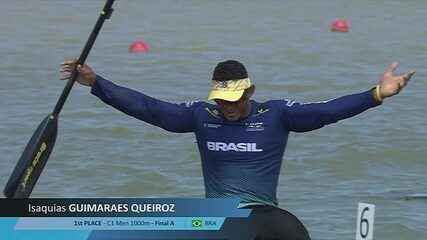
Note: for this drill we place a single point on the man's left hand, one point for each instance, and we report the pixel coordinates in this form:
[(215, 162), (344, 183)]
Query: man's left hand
[(391, 85)]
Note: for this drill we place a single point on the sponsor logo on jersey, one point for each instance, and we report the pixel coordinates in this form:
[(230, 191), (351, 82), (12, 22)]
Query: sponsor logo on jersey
[(188, 104), (212, 125), (254, 127), (213, 112), (289, 102), (261, 111), (236, 147)]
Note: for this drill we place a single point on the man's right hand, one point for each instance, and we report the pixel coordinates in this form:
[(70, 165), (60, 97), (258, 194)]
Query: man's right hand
[(86, 75)]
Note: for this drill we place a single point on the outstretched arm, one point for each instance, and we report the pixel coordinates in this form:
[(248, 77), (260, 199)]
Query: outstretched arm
[(310, 116), (169, 116), (307, 117)]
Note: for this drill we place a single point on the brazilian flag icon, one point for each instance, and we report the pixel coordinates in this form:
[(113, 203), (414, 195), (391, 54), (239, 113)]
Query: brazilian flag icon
[(196, 223)]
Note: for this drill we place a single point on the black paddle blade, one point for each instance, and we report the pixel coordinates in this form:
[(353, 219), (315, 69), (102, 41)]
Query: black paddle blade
[(33, 159)]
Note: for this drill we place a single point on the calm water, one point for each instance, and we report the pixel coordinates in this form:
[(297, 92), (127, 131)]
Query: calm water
[(377, 157)]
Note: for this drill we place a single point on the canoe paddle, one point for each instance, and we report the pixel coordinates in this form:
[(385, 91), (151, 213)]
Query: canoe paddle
[(38, 149)]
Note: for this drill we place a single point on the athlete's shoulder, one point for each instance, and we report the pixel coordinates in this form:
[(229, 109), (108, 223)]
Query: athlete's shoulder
[(199, 107), (279, 104), (194, 104), (198, 104), (208, 110)]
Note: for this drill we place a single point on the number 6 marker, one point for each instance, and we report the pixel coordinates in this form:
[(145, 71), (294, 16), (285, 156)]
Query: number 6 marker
[(365, 221)]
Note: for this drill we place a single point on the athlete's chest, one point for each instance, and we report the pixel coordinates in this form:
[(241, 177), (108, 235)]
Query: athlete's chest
[(260, 131)]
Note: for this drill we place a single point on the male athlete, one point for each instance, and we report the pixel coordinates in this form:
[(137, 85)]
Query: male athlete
[(241, 141)]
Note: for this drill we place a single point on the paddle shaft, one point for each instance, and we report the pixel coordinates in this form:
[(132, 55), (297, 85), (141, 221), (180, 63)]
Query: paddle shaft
[(105, 14), (32, 161)]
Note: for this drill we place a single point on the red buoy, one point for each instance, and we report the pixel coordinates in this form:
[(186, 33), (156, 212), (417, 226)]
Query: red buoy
[(138, 47), (340, 26)]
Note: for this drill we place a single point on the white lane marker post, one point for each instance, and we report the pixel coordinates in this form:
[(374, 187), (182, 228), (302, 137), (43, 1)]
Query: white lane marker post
[(365, 221)]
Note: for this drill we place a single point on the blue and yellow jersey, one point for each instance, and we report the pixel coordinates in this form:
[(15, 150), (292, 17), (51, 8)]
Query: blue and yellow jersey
[(240, 159)]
